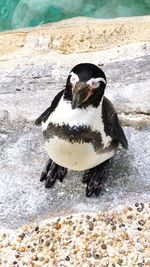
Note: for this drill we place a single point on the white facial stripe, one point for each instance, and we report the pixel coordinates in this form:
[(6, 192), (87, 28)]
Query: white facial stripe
[(74, 78), (94, 82)]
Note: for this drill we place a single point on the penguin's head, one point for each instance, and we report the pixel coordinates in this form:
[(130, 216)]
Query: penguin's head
[(86, 84)]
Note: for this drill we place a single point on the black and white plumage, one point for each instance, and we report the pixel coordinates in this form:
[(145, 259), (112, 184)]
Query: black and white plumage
[(81, 128)]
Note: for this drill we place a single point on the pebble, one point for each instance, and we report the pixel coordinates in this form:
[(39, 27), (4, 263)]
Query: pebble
[(96, 256), (103, 246), (57, 226), (113, 238), (36, 228), (67, 258), (22, 235), (46, 260), (141, 222), (21, 249), (47, 243), (41, 258)]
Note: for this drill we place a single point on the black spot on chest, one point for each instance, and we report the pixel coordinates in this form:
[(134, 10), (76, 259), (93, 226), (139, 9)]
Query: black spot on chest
[(78, 134)]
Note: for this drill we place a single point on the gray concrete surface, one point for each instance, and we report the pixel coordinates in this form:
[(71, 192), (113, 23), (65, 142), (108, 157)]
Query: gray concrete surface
[(25, 91)]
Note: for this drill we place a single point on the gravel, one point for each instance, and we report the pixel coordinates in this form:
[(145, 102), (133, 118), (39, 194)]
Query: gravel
[(114, 238)]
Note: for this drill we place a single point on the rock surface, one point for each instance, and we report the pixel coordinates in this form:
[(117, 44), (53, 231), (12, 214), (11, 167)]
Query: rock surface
[(28, 84)]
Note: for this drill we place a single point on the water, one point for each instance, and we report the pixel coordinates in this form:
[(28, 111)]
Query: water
[(26, 13)]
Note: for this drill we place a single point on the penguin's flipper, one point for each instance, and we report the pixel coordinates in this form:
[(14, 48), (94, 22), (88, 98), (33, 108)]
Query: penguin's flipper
[(43, 116), (113, 127), (48, 111), (116, 131)]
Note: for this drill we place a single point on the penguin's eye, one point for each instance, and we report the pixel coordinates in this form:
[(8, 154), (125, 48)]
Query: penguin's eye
[(95, 82)]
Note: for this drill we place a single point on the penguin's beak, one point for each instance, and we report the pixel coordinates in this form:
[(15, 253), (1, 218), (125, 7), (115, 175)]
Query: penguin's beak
[(79, 94), (75, 101)]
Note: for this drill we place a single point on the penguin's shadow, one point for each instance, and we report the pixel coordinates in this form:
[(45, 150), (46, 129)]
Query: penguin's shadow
[(119, 176), (121, 173)]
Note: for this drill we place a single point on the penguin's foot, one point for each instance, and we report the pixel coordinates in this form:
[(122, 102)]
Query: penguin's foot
[(94, 178), (51, 173)]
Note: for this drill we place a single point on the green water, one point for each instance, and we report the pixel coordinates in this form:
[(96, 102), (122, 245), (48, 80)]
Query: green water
[(26, 13)]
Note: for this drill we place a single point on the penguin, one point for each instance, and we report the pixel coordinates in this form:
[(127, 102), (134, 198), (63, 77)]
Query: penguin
[(81, 129)]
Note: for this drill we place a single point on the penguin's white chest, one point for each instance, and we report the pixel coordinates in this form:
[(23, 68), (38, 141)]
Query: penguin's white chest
[(76, 155)]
